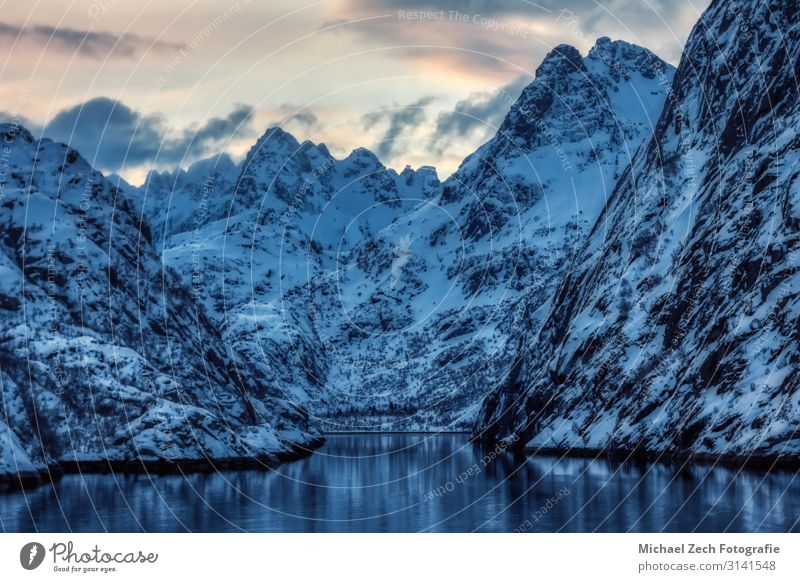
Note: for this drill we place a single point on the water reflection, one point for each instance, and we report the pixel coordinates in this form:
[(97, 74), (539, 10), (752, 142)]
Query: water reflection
[(403, 482)]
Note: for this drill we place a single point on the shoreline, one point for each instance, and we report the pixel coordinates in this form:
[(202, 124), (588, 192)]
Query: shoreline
[(395, 432), (50, 474), (749, 462)]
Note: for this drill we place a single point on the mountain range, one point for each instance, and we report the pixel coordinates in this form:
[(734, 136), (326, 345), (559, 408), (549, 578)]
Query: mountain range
[(675, 331), (614, 270)]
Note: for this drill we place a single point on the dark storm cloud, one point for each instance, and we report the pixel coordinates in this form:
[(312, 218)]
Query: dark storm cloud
[(84, 42), (398, 120), (112, 135), (107, 132), (480, 111)]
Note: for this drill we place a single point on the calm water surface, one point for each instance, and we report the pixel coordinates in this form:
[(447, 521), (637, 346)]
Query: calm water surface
[(410, 483)]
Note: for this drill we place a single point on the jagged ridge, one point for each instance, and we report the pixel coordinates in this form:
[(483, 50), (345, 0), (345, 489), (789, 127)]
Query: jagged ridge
[(677, 332)]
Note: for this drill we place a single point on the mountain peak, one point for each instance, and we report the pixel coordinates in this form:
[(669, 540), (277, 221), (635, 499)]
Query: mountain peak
[(321, 148), (733, 93), (10, 131), (622, 58), (219, 163), (563, 59), (604, 46), (364, 157), (570, 89), (275, 142), (277, 134)]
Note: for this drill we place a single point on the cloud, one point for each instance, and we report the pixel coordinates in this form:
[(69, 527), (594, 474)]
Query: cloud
[(297, 118), (306, 119), (502, 39), (484, 7), (84, 42), (660, 25), (399, 120), (201, 141), (501, 49), (497, 8), (111, 135), (483, 111), (26, 122)]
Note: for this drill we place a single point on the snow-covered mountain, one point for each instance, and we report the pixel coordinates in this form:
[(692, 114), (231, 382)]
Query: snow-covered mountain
[(180, 201), (438, 299), (380, 300), (104, 355), (264, 257), (676, 332), (616, 267)]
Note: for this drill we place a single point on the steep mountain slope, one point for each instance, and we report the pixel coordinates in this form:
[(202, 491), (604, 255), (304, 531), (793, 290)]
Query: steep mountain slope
[(103, 354), (437, 300), (293, 214), (180, 201), (677, 330)]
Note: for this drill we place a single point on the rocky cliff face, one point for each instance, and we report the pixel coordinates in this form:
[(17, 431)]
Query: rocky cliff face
[(104, 354), (386, 301), (268, 268), (440, 297), (617, 268), (181, 201), (676, 329)]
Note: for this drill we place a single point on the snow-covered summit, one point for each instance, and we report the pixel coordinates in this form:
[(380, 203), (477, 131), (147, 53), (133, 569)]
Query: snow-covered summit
[(436, 300), (676, 331), (104, 355)]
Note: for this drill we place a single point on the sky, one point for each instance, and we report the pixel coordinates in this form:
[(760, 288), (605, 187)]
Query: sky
[(160, 84)]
